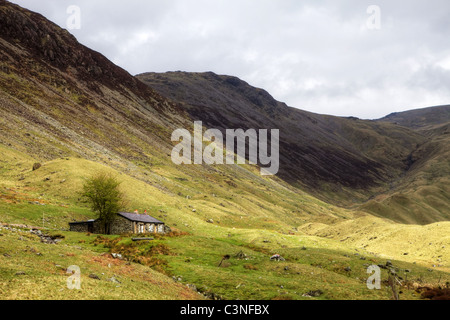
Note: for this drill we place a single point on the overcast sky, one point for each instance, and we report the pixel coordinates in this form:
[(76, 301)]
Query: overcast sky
[(334, 57)]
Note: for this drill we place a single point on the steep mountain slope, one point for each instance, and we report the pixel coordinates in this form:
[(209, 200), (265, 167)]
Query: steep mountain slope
[(77, 114), (422, 194), (61, 100), (343, 160), (420, 118)]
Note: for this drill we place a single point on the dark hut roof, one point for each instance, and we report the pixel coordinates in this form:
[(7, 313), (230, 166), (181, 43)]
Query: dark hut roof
[(140, 217), (82, 222)]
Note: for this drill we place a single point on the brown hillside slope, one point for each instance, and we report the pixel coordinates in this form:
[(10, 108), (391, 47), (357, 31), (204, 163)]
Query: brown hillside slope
[(59, 98), (422, 194), (345, 161)]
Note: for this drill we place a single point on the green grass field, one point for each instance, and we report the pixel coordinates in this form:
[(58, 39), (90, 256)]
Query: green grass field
[(325, 248)]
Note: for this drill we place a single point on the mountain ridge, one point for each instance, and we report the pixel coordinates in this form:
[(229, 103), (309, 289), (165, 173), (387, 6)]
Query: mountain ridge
[(63, 122), (57, 90), (342, 160), (422, 118)]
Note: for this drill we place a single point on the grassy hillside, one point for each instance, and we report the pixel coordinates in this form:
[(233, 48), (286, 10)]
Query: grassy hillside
[(422, 194), (75, 113), (32, 270), (320, 253), (396, 167), (229, 199)]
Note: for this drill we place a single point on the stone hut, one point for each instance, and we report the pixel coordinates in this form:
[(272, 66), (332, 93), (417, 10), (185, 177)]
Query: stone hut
[(124, 222)]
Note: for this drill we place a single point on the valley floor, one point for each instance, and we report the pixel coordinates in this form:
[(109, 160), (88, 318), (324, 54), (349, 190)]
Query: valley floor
[(191, 267), (327, 250)]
